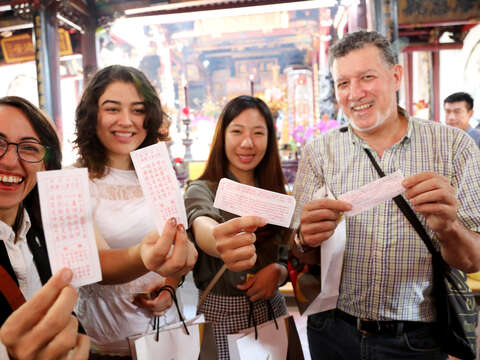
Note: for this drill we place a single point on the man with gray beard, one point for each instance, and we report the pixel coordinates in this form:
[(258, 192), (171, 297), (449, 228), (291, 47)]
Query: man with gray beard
[(385, 308)]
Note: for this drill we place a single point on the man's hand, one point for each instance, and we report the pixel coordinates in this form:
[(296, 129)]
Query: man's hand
[(434, 197), (235, 239), (155, 251), (44, 327), (263, 284), (319, 218)]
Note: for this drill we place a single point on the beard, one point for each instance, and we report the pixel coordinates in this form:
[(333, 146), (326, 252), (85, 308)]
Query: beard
[(381, 119)]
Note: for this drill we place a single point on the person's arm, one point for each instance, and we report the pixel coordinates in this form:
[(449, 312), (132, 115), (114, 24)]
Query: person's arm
[(434, 197), (203, 232), (151, 254), (44, 327)]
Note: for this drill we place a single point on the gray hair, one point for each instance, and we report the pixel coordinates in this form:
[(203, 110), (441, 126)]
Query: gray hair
[(358, 40)]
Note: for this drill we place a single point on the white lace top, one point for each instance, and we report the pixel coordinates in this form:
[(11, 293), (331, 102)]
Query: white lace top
[(123, 217)]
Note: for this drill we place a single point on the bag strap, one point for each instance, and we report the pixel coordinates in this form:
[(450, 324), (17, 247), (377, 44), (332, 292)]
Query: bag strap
[(10, 290), (409, 214), (156, 320)]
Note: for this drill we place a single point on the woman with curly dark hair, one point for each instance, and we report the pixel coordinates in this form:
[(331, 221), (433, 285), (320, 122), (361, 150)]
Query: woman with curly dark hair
[(120, 112)]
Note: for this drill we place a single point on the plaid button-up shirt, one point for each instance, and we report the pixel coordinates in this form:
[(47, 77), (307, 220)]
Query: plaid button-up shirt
[(387, 270)]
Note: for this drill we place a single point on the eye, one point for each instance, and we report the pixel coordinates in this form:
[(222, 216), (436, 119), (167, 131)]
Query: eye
[(112, 109), (30, 147), (140, 111), (235, 131), (259, 133), (342, 84), (368, 77)]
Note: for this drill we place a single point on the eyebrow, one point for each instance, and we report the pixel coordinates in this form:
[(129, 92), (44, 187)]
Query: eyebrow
[(255, 127), (119, 103), (25, 138)]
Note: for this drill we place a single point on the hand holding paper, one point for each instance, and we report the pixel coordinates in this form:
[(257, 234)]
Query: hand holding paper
[(434, 197), (44, 326), (235, 239), (319, 217), (256, 207), (159, 256)]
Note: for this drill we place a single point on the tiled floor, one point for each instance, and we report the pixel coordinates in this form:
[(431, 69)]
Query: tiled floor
[(189, 296)]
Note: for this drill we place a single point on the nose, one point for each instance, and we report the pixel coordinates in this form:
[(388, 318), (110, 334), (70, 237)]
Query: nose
[(10, 158), (247, 142), (124, 118), (450, 116), (356, 91)]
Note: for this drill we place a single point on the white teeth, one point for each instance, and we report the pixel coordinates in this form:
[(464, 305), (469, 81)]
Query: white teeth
[(10, 179), (361, 107), (123, 134)]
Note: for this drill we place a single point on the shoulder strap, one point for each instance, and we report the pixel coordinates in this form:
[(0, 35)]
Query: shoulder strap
[(38, 248), (5, 262), (10, 290), (408, 212)]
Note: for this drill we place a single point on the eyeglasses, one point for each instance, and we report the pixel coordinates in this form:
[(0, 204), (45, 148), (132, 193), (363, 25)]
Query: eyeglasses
[(28, 151)]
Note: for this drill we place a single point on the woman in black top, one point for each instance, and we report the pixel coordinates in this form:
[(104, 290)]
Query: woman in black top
[(43, 327)]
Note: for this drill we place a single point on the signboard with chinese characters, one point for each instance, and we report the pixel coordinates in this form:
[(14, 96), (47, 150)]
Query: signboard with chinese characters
[(420, 11), (19, 48)]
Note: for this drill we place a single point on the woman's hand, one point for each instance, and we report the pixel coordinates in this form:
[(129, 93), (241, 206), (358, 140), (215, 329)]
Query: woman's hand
[(44, 327), (160, 302), (234, 241), (264, 283), (157, 253)]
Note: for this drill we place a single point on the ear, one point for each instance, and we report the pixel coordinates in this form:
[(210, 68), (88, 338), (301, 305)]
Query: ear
[(470, 113), (397, 75)]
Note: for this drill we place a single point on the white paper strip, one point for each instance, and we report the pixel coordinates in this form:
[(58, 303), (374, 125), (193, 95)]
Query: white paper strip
[(67, 223)]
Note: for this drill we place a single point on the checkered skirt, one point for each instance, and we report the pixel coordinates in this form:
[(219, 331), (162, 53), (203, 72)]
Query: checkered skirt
[(229, 314)]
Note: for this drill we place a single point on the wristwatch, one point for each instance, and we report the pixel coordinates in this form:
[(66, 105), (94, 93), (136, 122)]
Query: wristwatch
[(300, 242)]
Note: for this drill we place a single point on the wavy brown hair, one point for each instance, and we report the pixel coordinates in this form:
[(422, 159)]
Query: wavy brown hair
[(48, 137), (92, 153), (268, 172)]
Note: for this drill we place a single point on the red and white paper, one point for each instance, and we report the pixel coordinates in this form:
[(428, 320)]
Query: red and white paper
[(67, 223), (374, 193), (159, 184), (245, 200)]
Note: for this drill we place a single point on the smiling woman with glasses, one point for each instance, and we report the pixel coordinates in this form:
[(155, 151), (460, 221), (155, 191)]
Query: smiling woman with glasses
[(28, 144)]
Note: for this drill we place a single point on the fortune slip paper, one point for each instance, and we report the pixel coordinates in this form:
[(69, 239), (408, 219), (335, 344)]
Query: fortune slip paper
[(68, 224), (374, 193), (246, 200)]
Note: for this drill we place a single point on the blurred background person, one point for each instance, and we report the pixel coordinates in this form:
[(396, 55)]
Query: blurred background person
[(458, 113)]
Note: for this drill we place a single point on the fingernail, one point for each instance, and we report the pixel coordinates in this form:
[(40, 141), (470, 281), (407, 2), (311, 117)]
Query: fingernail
[(67, 275), (172, 221), (181, 228), (405, 183)]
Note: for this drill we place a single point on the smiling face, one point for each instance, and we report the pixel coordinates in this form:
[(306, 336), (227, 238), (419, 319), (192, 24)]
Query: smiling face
[(245, 144), (17, 177), (121, 113), (457, 114), (365, 87)]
